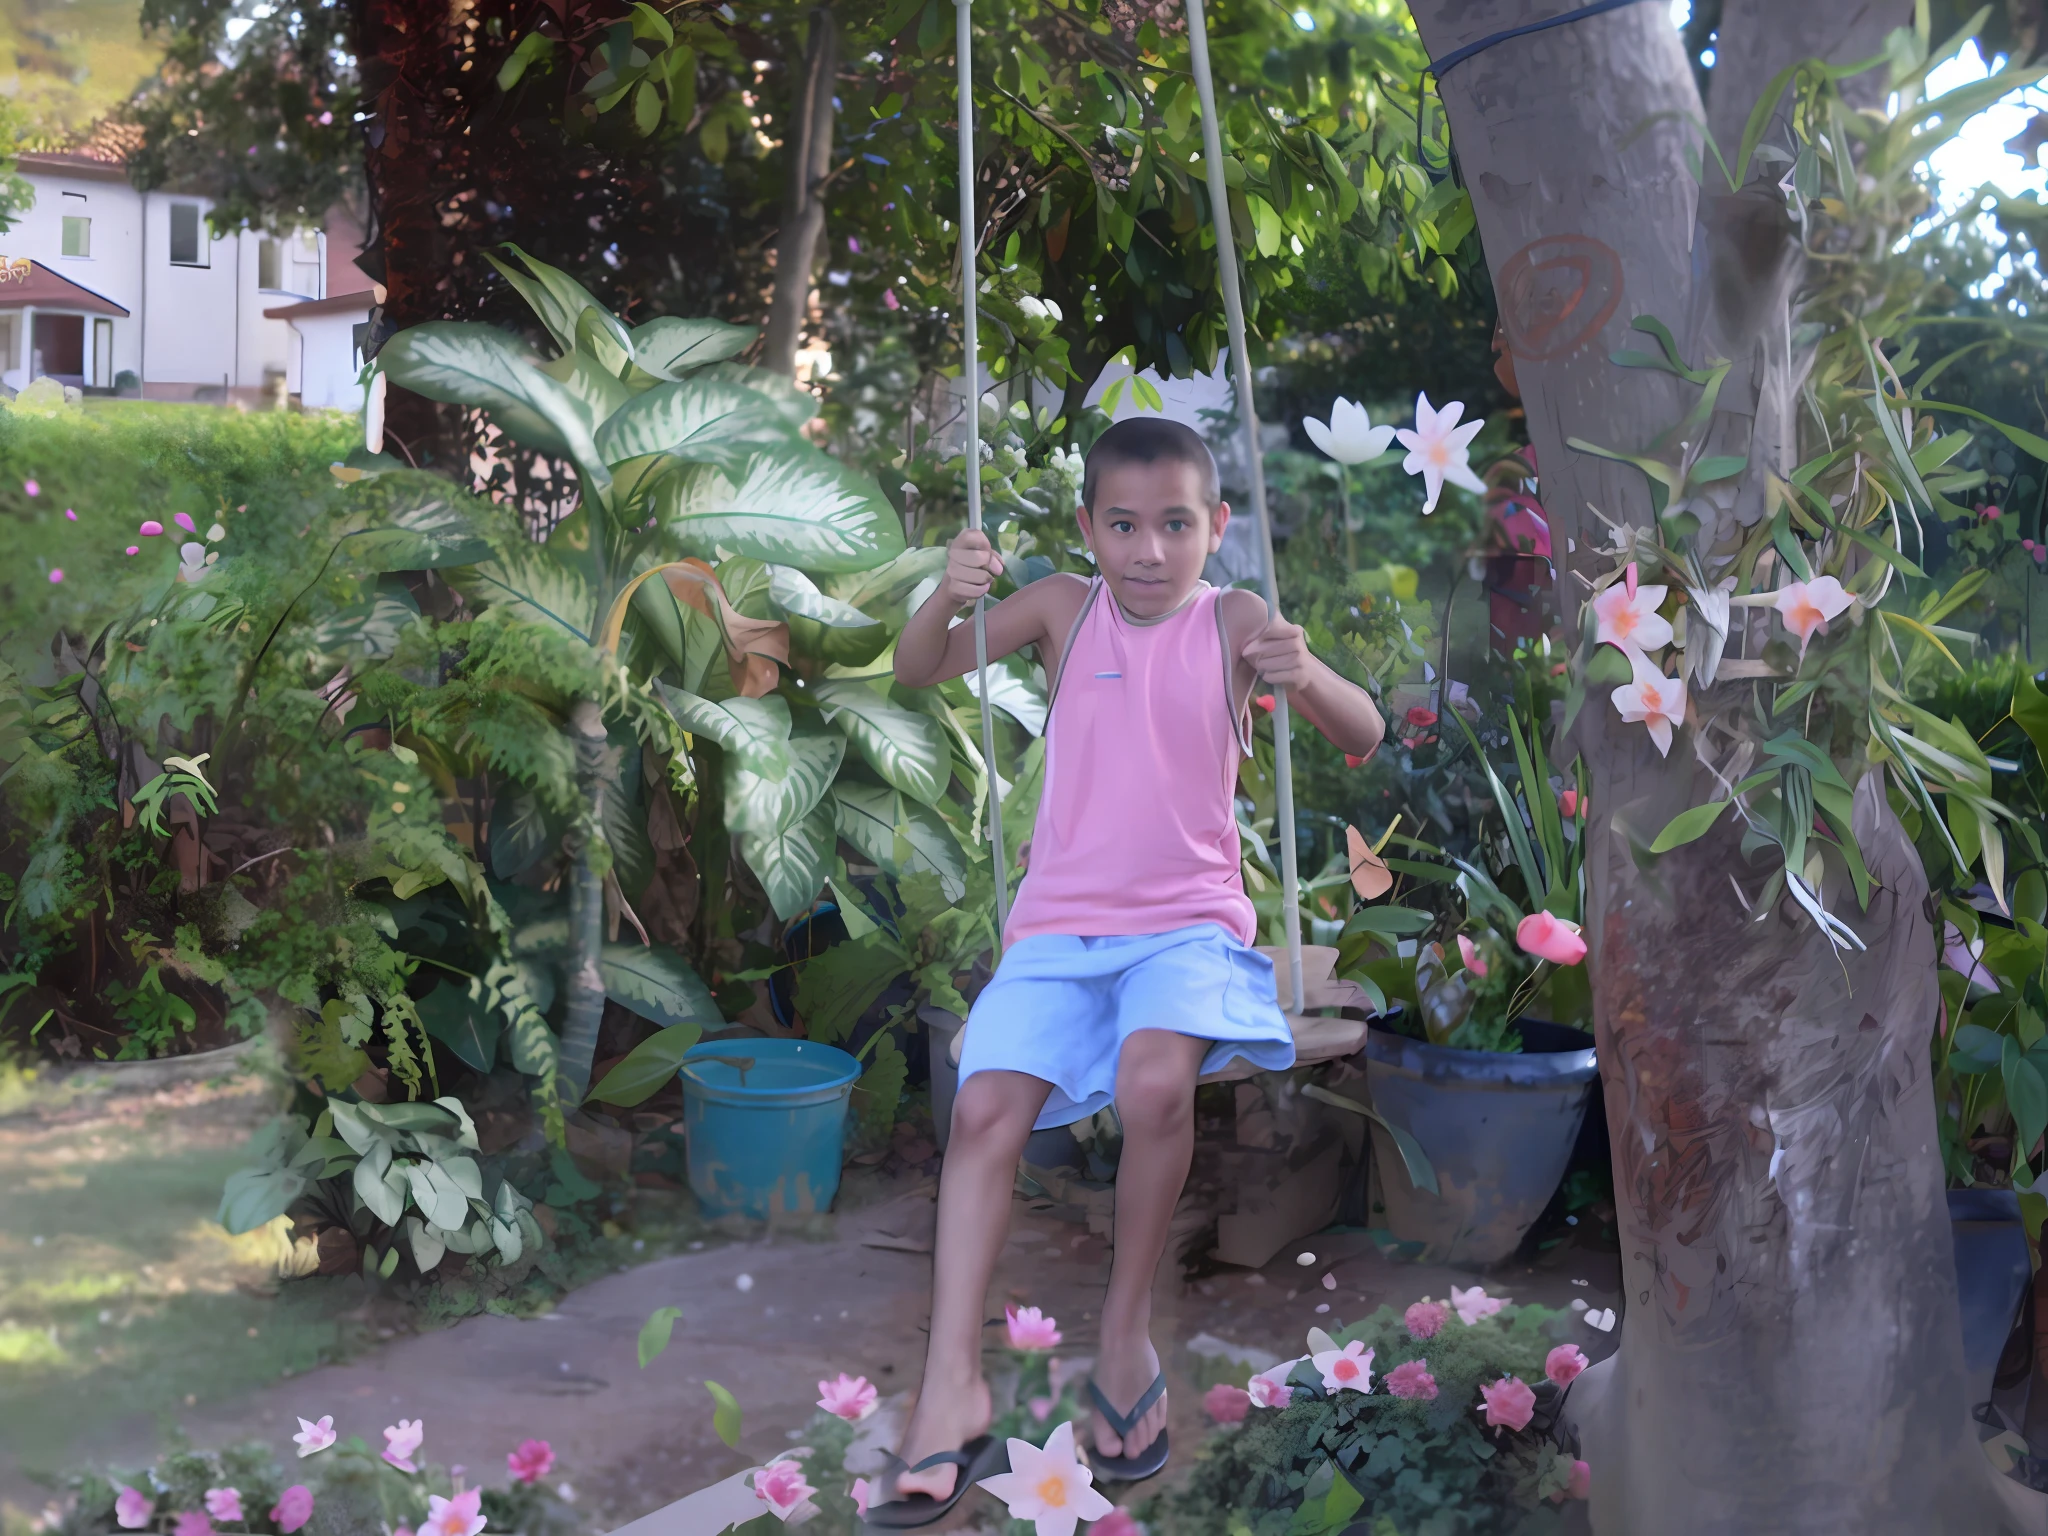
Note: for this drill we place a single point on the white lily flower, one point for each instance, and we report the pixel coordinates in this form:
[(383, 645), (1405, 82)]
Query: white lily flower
[(1440, 450), (1652, 700), (1348, 436)]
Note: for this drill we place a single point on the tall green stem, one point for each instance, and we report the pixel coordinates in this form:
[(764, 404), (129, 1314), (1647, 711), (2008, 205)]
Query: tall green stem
[(584, 1008)]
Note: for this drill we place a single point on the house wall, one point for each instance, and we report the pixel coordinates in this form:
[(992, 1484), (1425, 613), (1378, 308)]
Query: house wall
[(328, 358)]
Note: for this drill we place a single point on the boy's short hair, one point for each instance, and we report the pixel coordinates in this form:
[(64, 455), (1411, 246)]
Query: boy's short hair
[(1150, 440)]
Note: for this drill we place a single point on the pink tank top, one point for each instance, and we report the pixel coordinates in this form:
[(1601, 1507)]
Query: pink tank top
[(1136, 829)]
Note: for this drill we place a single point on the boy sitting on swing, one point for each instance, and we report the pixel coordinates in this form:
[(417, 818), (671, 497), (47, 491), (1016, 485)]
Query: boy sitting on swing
[(1127, 969)]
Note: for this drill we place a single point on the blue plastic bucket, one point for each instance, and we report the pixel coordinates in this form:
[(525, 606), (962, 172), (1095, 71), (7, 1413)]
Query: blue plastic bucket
[(765, 1121)]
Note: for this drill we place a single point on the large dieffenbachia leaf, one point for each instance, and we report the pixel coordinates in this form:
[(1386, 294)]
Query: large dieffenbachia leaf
[(708, 421), (756, 726), (534, 584), (900, 835), (796, 404), (464, 363), (796, 593), (560, 302), (793, 865), (906, 748), (417, 522), (657, 984), (764, 798), (670, 346), (791, 505), (890, 583), (1017, 689)]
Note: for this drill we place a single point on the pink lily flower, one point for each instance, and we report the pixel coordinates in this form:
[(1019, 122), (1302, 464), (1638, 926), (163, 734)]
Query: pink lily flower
[(1628, 618), (1226, 1404), (781, 1486), (1411, 1379), (460, 1516), (851, 1398), (1475, 962), (1345, 1370), (1269, 1388), (132, 1511), (1424, 1319), (1474, 1304), (293, 1509), (1029, 1328), (1548, 937), (400, 1441), (1806, 606), (224, 1503), (1563, 1364), (1440, 450), (1509, 1403), (314, 1437), (1652, 700), (1051, 1487), (530, 1463)]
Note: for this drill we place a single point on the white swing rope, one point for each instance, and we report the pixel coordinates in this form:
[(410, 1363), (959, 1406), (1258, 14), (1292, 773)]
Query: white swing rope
[(970, 378), (1247, 415)]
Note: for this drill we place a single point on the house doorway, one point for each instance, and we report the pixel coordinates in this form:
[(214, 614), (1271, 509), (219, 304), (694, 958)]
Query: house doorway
[(60, 348)]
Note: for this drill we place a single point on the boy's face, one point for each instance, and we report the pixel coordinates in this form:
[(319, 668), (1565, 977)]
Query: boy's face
[(1152, 531)]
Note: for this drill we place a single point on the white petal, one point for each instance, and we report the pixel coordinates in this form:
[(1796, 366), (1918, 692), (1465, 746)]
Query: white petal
[(1319, 434), (1433, 480), (1459, 473), (1660, 733), (1452, 413), (1376, 441)]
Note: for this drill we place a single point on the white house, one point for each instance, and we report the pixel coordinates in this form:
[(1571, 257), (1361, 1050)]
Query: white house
[(106, 288)]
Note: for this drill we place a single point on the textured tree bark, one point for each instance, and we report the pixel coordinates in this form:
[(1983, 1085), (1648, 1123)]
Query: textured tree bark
[(583, 989), (804, 215), (1791, 1355)]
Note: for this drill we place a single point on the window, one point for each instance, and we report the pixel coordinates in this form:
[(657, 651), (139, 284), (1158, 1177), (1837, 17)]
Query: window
[(77, 236), (269, 263), (188, 236)]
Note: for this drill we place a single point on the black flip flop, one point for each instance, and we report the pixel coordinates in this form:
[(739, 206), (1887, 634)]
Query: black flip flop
[(1148, 1463), (983, 1456)]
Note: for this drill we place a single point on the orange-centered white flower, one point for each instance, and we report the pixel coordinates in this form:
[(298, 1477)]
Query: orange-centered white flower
[(1630, 619), (1440, 450), (1050, 1487), (1652, 700), (1807, 605), (1345, 1370)]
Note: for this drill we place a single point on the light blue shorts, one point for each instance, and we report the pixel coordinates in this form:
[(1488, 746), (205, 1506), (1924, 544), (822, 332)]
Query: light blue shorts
[(1061, 1007)]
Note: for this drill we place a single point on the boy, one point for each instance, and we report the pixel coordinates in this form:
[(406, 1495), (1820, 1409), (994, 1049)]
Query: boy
[(1127, 969)]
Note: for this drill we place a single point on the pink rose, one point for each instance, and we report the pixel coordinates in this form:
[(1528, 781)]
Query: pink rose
[(781, 1486), (1564, 1363), (1226, 1404), (293, 1509), (1424, 1318), (1509, 1403), (131, 1510), (530, 1463), (1412, 1380)]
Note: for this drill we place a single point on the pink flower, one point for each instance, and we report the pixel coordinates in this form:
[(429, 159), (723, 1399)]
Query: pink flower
[(1424, 1318), (400, 1441), (1345, 1370), (1118, 1522), (1564, 1363), (459, 1516), (1552, 938), (530, 1463), (1627, 617), (1226, 1404), (224, 1503), (1474, 1304), (1989, 514), (1041, 1408), (30, 488), (851, 1398), (184, 521), (1422, 719), (56, 575), (1568, 803), (853, 245), (1265, 701), (150, 528), (1269, 1388), (326, 118), (1030, 1328), (781, 1486), (1475, 962), (131, 1510), (1653, 701), (1412, 1379), (70, 516), (293, 1509), (859, 1493), (134, 549), (1509, 1403), (191, 1522), (1581, 1485), (889, 299), (1806, 606), (314, 1437)]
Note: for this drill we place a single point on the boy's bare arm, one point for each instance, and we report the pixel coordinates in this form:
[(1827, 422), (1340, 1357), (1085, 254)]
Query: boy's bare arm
[(930, 650), (1278, 652)]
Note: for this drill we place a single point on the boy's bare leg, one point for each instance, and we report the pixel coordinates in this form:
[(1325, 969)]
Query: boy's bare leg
[(1155, 1099), (991, 1119)]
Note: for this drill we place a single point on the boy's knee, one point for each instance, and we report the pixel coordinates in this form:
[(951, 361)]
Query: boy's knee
[(1154, 1097), (981, 1110)]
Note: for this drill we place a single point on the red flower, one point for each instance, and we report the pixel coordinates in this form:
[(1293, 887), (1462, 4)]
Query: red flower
[(1422, 719), (1265, 702)]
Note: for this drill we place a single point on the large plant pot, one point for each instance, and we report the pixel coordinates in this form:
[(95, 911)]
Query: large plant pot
[(1993, 1269), (1498, 1130), (765, 1124)]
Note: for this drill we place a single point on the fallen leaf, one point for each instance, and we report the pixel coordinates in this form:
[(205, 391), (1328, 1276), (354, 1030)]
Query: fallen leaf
[(1370, 876)]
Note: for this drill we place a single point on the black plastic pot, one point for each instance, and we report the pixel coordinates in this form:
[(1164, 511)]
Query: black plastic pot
[(1993, 1270), (1498, 1130)]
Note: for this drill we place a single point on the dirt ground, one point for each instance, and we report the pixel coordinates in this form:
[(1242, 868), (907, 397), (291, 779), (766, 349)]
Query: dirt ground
[(123, 1316)]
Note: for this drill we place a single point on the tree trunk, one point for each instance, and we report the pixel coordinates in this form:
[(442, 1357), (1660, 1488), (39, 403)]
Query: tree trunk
[(810, 157), (583, 1004), (1790, 1359)]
